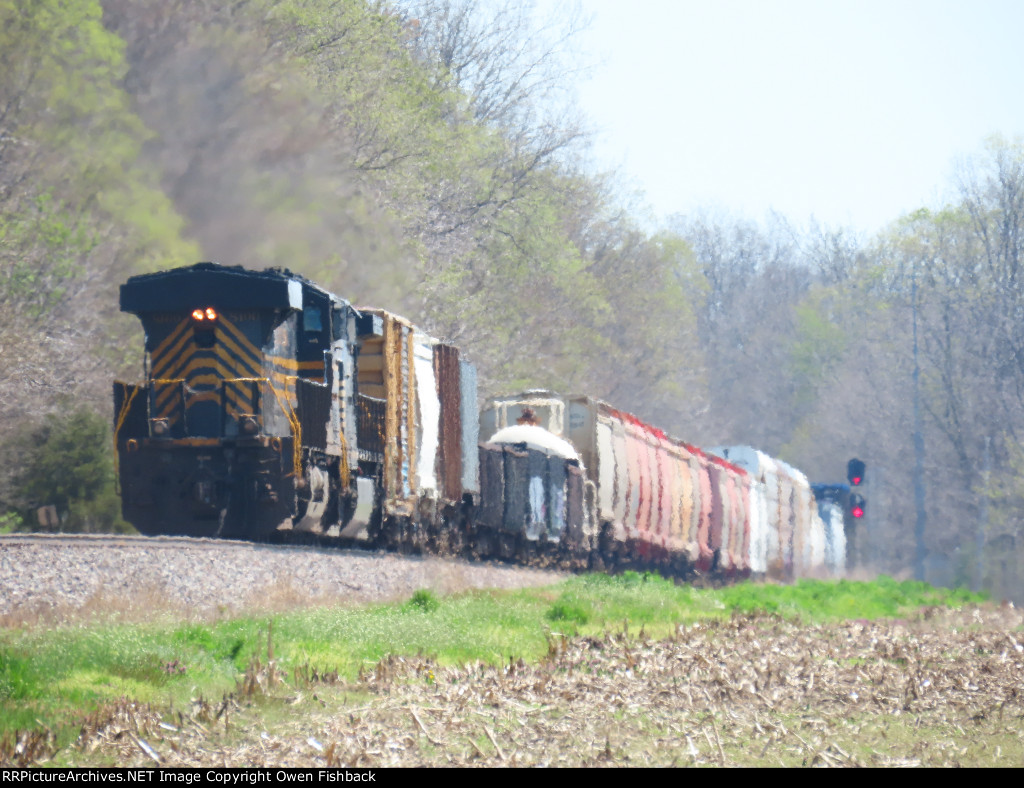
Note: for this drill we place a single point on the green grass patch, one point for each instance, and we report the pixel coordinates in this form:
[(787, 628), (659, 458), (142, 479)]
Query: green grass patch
[(58, 675), (569, 608), (819, 601), (425, 600)]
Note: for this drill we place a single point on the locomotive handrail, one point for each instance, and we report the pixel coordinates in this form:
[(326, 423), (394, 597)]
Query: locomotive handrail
[(296, 426), (126, 407), (284, 402)]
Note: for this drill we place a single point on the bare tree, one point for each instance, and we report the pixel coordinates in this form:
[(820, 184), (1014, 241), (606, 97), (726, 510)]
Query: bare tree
[(514, 68)]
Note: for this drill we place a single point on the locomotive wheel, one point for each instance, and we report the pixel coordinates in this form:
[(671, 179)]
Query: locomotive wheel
[(484, 544)]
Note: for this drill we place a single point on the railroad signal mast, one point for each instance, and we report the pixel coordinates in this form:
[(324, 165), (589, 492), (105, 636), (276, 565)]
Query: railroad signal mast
[(855, 470), (856, 509)]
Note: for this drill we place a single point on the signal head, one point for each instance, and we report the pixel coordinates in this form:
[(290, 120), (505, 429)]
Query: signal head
[(855, 470)]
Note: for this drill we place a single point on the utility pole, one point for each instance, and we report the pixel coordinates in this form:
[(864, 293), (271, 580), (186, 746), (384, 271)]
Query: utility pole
[(922, 517), (986, 474)]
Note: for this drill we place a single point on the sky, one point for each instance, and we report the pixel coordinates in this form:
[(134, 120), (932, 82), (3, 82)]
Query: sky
[(853, 113)]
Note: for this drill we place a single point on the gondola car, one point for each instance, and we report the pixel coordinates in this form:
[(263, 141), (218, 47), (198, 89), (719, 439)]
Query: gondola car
[(534, 503)]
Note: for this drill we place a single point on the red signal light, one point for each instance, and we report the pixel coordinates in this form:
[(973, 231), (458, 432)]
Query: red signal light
[(855, 470), (857, 506)]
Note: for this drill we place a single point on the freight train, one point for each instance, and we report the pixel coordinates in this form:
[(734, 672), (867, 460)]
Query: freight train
[(271, 408)]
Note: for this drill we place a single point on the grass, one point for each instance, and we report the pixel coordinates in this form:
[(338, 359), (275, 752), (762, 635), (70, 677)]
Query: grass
[(819, 601), (53, 677)]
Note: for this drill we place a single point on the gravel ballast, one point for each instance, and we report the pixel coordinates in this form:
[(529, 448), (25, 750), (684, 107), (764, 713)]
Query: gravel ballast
[(137, 578)]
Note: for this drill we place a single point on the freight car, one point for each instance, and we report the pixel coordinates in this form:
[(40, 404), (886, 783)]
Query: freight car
[(660, 502), (271, 407)]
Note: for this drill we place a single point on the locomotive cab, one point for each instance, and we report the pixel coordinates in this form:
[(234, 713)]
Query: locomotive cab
[(239, 427)]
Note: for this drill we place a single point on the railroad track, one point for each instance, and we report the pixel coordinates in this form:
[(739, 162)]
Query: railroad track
[(66, 577), (168, 542)]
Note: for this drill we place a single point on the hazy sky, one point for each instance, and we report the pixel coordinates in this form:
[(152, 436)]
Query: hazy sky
[(853, 112)]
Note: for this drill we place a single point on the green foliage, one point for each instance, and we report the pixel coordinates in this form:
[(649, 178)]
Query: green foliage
[(225, 644), (820, 341), (569, 608), (63, 240), (1006, 491), (815, 600), (68, 463), (56, 675), (64, 74), (425, 600), (10, 522), (819, 348), (79, 212)]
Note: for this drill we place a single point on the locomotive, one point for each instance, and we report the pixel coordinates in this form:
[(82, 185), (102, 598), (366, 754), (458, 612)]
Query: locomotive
[(272, 408), (254, 417)]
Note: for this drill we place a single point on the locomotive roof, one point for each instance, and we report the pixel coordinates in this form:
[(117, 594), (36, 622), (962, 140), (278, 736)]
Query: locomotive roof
[(221, 286)]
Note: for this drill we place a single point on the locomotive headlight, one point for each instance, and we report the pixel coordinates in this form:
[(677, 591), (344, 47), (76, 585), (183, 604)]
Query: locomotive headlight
[(204, 314), (161, 427)]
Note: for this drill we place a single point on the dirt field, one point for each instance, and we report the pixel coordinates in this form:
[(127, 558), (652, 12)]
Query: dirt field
[(946, 689)]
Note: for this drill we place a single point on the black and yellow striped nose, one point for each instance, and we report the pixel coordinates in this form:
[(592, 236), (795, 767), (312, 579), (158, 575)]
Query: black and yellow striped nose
[(205, 383)]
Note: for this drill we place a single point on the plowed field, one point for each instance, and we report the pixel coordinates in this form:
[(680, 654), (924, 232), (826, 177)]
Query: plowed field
[(943, 689)]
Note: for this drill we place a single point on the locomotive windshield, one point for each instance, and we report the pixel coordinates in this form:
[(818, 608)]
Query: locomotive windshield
[(312, 319)]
